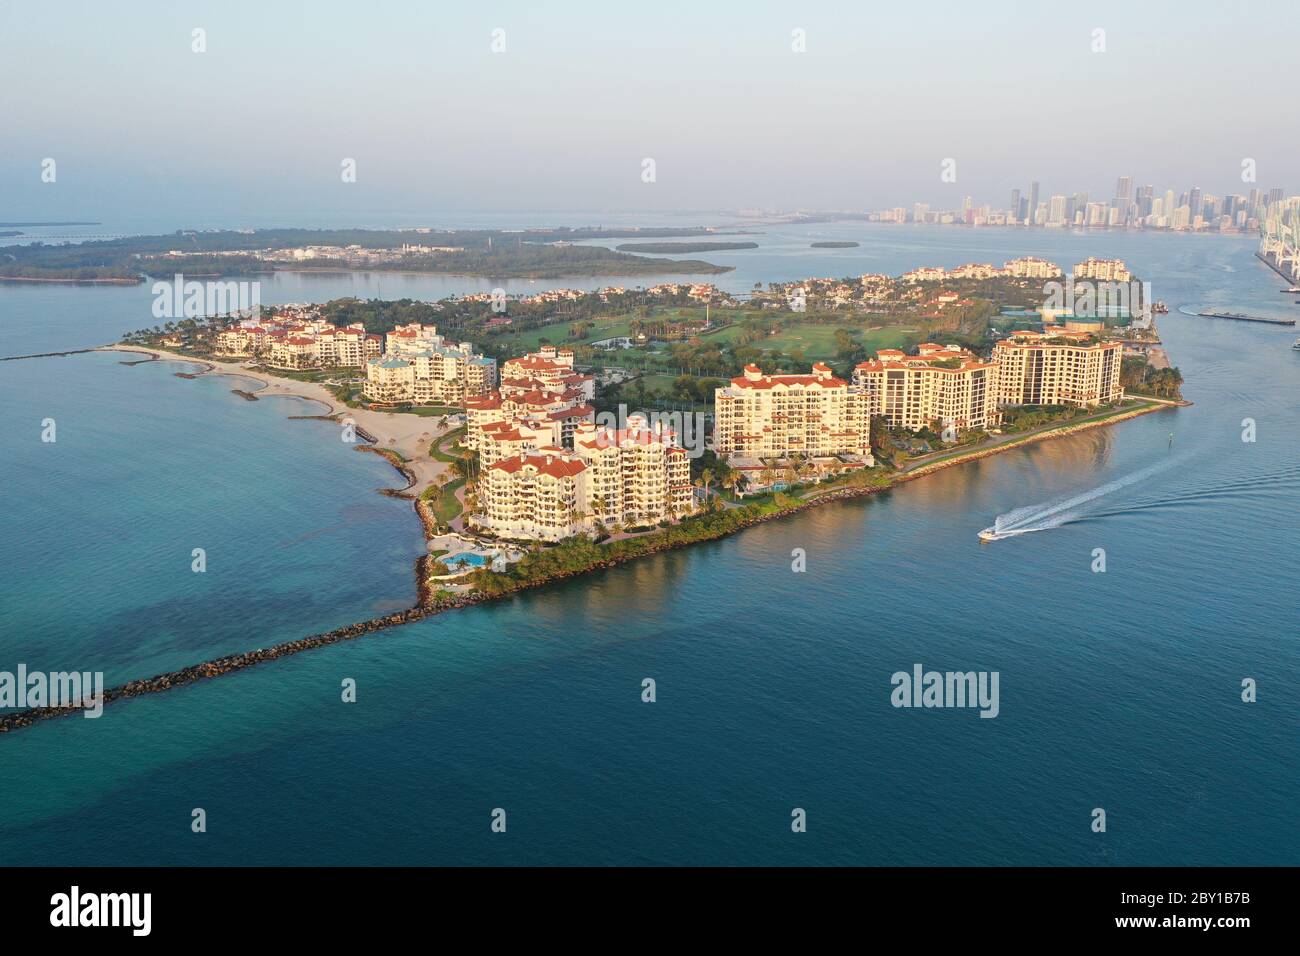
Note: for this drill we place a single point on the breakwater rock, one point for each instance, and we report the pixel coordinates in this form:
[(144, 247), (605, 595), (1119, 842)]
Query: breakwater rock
[(237, 662)]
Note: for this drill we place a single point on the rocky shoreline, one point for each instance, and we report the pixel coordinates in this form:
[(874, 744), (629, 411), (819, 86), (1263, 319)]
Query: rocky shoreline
[(397, 462), (431, 602)]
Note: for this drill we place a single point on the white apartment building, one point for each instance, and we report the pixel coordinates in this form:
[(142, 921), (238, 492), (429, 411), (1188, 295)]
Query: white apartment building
[(775, 416), (301, 345), (420, 367), (1105, 270), (635, 477), (1031, 267), (1057, 367), (567, 409), (548, 370), (537, 496), (940, 384)]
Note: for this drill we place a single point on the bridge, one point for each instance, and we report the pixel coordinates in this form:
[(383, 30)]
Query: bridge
[(1279, 238)]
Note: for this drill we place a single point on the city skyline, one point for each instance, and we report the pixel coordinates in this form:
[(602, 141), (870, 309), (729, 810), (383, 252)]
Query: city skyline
[(1146, 206)]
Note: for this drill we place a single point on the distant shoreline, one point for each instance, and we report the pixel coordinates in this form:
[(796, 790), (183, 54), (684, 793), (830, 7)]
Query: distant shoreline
[(56, 280), (34, 225)]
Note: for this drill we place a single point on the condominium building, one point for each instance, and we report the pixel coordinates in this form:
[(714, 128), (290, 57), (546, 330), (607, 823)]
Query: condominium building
[(292, 352), (1106, 270), (390, 381), (537, 496), (412, 339), (761, 416), (241, 340), (301, 345), (345, 348), (420, 367), (1057, 367), (508, 438), (974, 270), (637, 476), (566, 409), (1031, 267), (547, 370), (943, 385)]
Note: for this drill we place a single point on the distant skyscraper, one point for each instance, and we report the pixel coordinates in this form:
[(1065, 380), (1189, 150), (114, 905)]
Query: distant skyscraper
[(1194, 201), (1145, 198), (1056, 212), (1275, 194), (1014, 211), (1033, 200), (1123, 190)]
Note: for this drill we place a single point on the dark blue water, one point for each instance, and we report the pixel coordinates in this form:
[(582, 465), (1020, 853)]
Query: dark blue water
[(1118, 690)]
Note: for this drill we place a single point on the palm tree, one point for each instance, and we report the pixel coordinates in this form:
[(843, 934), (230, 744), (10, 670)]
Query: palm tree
[(707, 477), (806, 468), (730, 480)]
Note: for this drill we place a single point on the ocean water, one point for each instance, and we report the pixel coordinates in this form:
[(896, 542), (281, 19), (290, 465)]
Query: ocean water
[(1119, 690)]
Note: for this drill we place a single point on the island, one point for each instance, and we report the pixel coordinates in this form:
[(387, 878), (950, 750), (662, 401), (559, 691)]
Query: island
[(836, 244), (497, 253), (684, 247), (590, 408)]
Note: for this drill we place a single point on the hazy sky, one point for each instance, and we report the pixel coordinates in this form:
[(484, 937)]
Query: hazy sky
[(257, 126)]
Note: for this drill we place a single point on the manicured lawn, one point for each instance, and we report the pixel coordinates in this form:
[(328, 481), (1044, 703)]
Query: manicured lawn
[(818, 341), (445, 447), (662, 382), (604, 327), (446, 506)]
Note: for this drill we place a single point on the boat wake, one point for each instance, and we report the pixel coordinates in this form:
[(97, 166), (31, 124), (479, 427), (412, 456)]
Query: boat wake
[(1043, 517)]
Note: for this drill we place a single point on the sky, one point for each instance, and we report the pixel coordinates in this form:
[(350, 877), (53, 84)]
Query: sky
[(257, 127)]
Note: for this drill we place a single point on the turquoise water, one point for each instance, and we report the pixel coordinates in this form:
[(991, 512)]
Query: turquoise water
[(465, 557), (1118, 690), (101, 525)]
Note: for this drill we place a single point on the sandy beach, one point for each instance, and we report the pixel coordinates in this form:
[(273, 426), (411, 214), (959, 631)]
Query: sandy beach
[(408, 435)]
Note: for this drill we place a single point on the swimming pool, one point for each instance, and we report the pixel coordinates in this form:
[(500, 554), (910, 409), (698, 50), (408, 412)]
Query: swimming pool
[(465, 557)]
